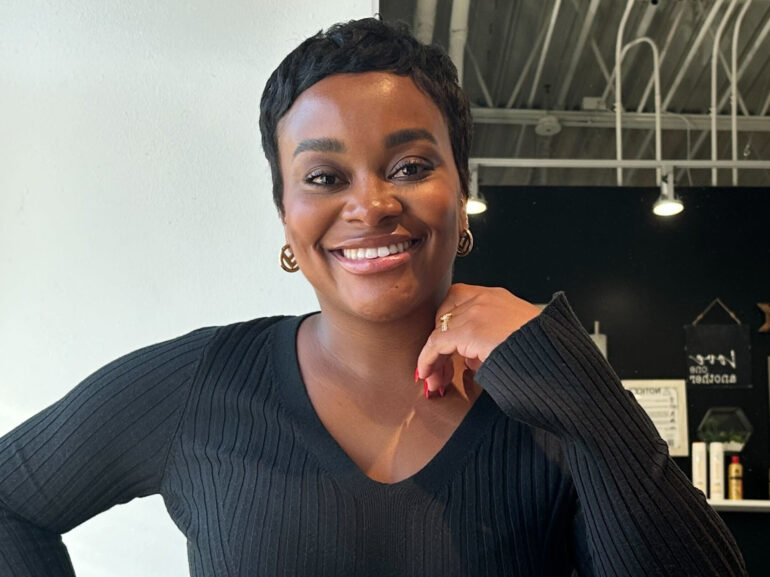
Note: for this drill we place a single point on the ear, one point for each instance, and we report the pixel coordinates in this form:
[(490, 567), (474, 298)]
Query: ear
[(462, 215)]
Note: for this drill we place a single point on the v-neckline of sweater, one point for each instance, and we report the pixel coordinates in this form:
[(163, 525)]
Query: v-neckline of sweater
[(332, 457)]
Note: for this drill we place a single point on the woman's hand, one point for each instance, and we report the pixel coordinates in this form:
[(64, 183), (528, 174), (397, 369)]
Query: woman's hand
[(481, 318)]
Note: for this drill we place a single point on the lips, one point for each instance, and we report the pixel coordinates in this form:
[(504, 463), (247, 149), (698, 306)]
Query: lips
[(377, 256)]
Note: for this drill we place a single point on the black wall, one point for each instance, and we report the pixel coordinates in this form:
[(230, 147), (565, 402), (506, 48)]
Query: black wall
[(643, 278)]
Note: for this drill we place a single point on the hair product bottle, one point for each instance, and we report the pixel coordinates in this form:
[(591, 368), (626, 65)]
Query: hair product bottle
[(735, 479), (717, 471), (699, 467)]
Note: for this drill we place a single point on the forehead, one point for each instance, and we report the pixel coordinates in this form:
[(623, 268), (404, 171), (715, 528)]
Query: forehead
[(367, 104)]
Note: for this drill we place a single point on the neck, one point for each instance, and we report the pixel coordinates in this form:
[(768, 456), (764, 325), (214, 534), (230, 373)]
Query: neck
[(368, 353)]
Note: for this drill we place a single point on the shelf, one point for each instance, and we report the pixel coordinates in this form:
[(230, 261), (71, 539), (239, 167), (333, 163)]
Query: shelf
[(743, 506)]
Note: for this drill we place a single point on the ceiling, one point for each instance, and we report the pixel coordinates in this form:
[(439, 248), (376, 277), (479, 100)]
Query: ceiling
[(529, 59)]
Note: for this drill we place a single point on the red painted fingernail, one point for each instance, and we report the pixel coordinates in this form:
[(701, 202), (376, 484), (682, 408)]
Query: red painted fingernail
[(427, 392), (416, 375), (441, 390)]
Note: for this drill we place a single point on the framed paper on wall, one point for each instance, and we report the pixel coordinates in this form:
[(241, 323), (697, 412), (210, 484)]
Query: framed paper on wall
[(665, 401)]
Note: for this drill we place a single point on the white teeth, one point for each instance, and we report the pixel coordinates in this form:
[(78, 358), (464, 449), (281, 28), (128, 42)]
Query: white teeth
[(375, 252)]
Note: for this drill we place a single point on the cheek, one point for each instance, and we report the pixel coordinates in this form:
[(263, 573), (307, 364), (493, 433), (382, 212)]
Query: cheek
[(305, 223), (445, 212)]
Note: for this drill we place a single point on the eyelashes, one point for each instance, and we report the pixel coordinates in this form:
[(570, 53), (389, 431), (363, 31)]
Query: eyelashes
[(409, 170)]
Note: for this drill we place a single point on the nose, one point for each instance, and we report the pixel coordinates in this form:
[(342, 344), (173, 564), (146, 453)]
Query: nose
[(371, 201)]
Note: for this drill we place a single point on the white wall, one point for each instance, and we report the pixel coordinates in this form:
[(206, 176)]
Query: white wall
[(135, 203)]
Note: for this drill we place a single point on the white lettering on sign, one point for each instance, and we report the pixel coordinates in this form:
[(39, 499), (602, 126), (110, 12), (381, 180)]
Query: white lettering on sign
[(714, 359)]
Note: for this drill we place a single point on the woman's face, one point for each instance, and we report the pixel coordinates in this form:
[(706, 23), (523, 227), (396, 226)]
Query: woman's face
[(372, 197)]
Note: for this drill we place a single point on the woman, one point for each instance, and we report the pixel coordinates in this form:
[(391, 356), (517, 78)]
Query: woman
[(303, 445)]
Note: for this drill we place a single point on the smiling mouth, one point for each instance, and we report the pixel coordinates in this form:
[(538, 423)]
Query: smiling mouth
[(370, 253)]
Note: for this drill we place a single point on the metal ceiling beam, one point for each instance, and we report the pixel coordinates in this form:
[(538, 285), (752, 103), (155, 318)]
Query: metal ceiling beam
[(479, 77), (602, 119), (600, 60), (613, 163), (714, 111), (734, 85), (728, 72), (680, 6), (766, 105), (745, 61), (425, 20), (539, 70), (525, 70), (577, 52), (618, 94), (691, 54), (544, 53), (458, 35), (641, 30)]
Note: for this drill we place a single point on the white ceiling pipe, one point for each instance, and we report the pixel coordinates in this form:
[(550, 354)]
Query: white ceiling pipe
[(425, 20), (656, 76), (641, 30), (458, 34), (588, 21), (729, 74), (691, 54), (746, 60), (714, 58), (744, 66), (664, 51), (618, 97), (610, 163), (734, 85)]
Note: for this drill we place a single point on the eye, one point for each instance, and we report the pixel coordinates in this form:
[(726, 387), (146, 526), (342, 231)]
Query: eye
[(323, 178), (412, 169)]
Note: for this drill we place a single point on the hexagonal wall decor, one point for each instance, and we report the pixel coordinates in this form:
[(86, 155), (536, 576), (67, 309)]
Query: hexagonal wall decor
[(728, 425)]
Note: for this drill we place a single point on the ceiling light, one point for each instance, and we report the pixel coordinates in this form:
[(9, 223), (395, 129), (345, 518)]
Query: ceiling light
[(667, 204), (476, 203)]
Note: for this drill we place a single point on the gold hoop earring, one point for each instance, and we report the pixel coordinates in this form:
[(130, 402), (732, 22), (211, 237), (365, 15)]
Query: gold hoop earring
[(288, 261), (465, 244)]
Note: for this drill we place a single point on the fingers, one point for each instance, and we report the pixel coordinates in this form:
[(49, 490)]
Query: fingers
[(435, 362), (470, 322), (457, 295)]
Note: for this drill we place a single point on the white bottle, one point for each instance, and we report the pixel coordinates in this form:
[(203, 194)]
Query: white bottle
[(717, 471), (699, 467), (600, 339)]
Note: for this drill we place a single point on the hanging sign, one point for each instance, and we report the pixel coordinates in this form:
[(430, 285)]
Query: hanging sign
[(718, 355)]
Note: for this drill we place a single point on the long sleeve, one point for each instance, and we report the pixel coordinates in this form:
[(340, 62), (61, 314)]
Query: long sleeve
[(104, 443), (641, 515)]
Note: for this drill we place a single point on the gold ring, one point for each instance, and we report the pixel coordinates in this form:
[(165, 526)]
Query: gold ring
[(445, 321)]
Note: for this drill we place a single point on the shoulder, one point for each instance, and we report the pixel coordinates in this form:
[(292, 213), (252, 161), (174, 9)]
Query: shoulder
[(232, 351), (184, 353)]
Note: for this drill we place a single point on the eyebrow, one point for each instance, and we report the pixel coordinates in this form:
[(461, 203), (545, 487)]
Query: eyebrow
[(320, 145), (408, 135), (391, 141)]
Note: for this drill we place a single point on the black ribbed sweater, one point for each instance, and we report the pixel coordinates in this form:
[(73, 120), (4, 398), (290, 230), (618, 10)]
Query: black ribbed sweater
[(555, 467)]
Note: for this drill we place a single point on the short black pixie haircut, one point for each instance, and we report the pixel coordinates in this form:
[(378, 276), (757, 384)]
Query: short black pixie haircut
[(362, 46)]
